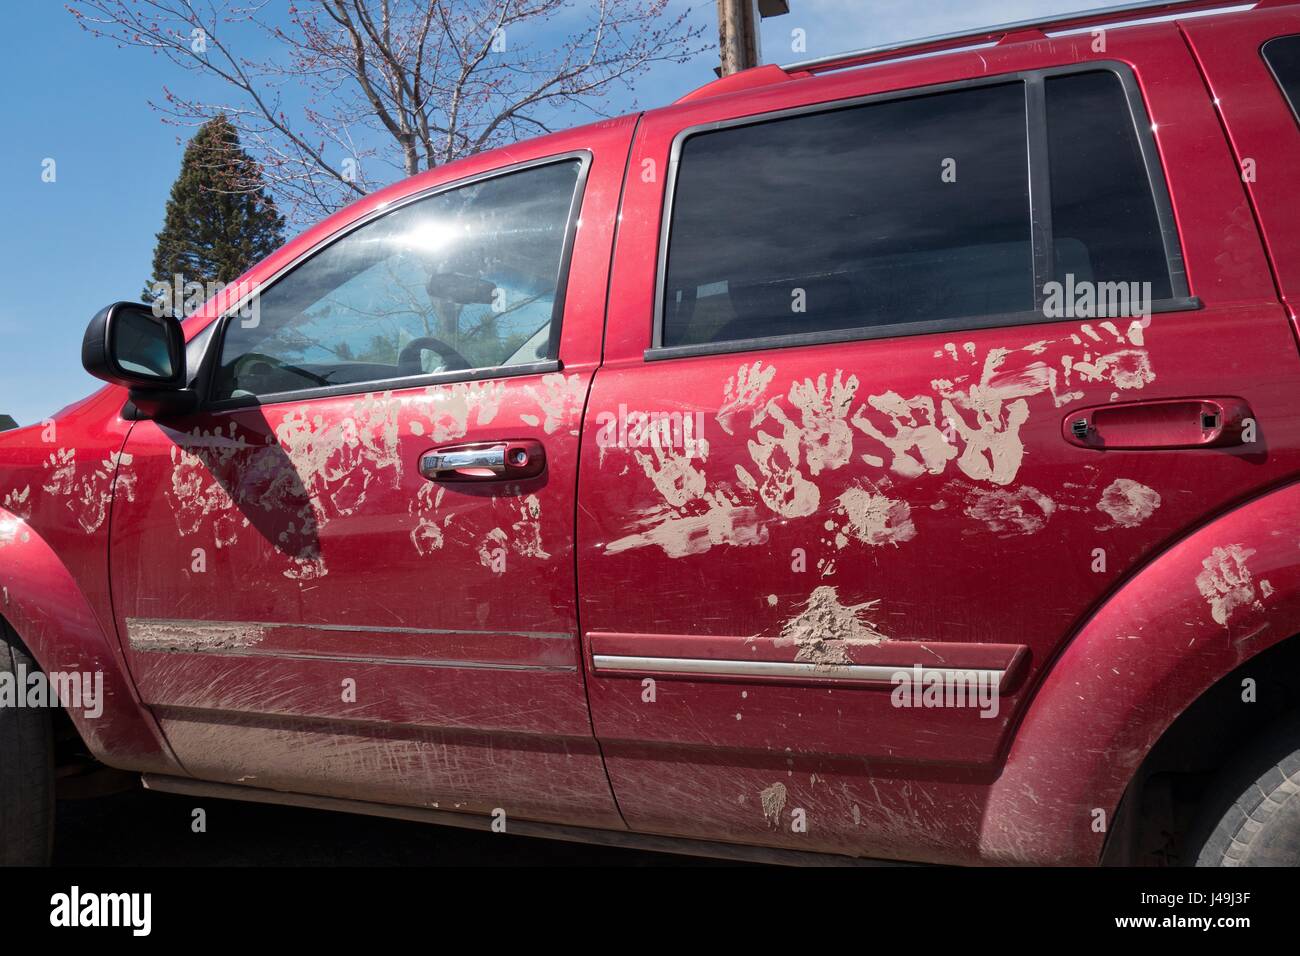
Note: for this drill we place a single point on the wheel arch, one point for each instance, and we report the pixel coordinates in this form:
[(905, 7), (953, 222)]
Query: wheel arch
[(1194, 614), (45, 607)]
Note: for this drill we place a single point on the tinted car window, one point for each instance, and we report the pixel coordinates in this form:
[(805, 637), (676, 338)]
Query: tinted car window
[(889, 212), (1283, 57), (465, 279), (1104, 222)]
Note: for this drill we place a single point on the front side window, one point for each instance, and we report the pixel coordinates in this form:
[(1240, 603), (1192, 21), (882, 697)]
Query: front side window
[(466, 279)]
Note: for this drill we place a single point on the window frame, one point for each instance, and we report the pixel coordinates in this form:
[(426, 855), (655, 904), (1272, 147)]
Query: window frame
[(1292, 106), (208, 374), (1040, 208)]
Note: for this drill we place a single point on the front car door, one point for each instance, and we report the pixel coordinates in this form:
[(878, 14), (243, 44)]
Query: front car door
[(306, 604), (837, 521)]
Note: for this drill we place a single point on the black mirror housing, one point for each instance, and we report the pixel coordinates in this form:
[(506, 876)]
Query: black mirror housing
[(127, 344)]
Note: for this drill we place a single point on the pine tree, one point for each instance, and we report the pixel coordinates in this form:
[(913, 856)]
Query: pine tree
[(220, 219)]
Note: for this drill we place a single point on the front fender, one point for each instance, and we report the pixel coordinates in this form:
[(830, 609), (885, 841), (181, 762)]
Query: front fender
[(42, 602), (1194, 613)]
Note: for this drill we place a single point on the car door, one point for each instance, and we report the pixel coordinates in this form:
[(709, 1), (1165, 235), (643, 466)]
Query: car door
[(869, 447), (351, 572)]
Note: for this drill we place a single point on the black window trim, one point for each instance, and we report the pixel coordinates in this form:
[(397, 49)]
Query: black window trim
[(212, 357), (1277, 80), (1040, 208)]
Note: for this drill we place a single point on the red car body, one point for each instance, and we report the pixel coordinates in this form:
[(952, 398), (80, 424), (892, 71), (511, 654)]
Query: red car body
[(613, 676)]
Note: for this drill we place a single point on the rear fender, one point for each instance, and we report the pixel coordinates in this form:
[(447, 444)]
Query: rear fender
[(1199, 610)]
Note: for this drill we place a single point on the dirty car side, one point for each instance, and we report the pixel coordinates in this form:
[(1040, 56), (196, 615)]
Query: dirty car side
[(693, 630)]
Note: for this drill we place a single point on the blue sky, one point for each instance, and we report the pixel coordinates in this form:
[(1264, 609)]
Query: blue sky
[(71, 246)]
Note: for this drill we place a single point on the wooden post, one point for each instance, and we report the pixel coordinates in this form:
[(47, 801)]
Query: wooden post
[(738, 43), (737, 36)]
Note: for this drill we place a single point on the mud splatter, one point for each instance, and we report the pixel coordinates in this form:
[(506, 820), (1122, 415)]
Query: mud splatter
[(993, 447), (1127, 503), (673, 473), (426, 536), (19, 503), (874, 518), (560, 399), (527, 531), (62, 466), (723, 522), (443, 413), (337, 460), (917, 444), (1024, 510), (171, 636), (1125, 369), (773, 800), (743, 394), (781, 484), (826, 438), (825, 629), (92, 494), (490, 550), (1225, 581)]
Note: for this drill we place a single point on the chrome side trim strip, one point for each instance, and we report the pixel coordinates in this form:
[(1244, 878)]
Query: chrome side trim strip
[(877, 673)]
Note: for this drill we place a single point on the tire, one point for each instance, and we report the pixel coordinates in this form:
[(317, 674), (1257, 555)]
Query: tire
[(1252, 815), (26, 769)]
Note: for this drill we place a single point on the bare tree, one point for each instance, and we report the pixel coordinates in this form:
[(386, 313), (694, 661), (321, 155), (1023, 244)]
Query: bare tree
[(351, 92)]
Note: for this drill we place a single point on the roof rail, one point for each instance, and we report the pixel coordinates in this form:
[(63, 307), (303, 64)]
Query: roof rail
[(1064, 21)]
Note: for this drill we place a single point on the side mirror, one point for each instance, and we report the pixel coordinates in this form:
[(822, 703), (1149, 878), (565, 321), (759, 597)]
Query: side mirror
[(127, 344)]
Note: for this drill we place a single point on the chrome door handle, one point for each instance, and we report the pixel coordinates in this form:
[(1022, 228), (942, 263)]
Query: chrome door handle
[(490, 459), (484, 461)]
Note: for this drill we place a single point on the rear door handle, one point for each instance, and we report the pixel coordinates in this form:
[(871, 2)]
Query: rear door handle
[(485, 461), (1167, 423)]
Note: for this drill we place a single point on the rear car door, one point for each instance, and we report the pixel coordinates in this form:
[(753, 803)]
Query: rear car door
[(306, 603), (881, 423)]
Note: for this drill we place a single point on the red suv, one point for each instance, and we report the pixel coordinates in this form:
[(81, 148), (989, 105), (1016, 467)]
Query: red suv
[(891, 456)]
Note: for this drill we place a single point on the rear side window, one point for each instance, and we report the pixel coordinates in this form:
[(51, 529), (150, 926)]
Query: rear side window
[(1104, 222), (1283, 58), (909, 214), (892, 212)]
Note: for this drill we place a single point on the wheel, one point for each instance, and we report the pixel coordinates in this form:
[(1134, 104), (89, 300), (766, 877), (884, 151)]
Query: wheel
[(26, 767), (1252, 815)]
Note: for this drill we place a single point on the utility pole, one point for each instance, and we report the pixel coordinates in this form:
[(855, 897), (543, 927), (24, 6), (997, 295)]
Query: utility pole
[(738, 46)]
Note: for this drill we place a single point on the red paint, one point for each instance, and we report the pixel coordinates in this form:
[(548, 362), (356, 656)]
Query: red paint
[(476, 686)]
